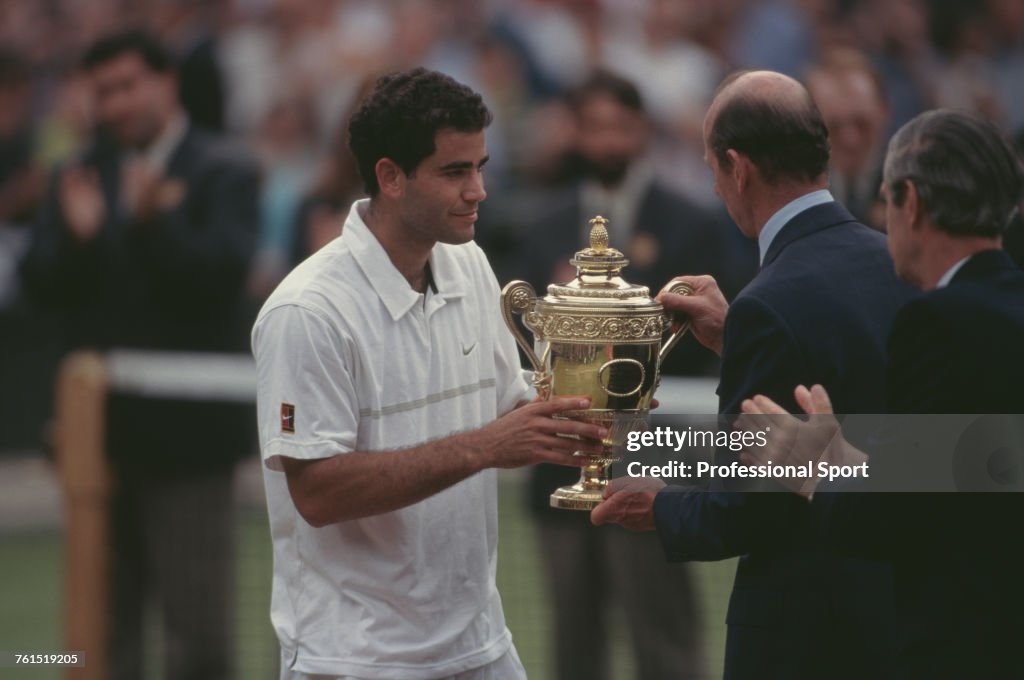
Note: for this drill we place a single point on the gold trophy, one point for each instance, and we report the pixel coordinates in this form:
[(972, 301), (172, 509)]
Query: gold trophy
[(597, 336)]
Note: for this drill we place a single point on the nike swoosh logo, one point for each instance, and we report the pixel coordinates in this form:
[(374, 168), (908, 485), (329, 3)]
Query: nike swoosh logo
[(465, 351)]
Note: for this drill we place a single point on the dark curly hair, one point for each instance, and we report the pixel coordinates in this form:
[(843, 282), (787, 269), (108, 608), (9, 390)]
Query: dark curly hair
[(128, 41), (402, 116), (605, 82)]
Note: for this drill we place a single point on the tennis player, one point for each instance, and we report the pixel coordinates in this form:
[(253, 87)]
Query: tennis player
[(389, 390)]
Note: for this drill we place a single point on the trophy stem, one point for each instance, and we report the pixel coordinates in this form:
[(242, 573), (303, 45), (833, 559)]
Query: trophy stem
[(588, 492)]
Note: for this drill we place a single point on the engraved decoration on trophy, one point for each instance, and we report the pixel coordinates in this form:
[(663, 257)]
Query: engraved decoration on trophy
[(596, 336)]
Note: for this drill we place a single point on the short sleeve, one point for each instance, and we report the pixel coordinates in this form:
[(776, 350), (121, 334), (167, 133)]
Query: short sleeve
[(306, 400)]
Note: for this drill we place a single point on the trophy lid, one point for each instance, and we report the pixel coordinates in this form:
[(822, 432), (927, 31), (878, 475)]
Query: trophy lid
[(598, 279)]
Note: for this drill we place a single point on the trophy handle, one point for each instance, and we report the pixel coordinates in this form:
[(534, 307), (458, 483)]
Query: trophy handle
[(516, 298), (684, 324)]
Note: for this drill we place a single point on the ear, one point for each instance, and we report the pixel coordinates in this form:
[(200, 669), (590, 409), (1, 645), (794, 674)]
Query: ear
[(913, 207), (390, 178), (739, 168)]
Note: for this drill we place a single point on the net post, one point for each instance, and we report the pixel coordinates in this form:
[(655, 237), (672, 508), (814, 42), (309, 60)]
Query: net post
[(85, 479)]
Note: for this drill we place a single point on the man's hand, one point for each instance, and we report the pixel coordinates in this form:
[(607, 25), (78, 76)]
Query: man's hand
[(360, 483), (533, 434), (706, 309), (796, 442), (81, 202), (140, 185), (628, 502)]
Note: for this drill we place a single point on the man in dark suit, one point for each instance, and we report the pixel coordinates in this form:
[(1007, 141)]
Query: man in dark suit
[(662, 234), (821, 305), (951, 187), (144, 244)]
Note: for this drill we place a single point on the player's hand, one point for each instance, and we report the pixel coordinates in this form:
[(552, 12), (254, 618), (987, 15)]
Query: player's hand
[(533, 434), (628, 502), (81, 202), (706, 308)]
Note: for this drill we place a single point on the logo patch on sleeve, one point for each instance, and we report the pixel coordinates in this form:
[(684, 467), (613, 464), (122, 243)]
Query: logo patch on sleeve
[(287, 417)]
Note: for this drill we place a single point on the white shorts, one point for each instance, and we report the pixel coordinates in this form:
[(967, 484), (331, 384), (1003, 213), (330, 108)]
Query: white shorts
[(506, 667)]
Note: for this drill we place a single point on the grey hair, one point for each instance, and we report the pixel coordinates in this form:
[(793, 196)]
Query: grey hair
[(967, 176)]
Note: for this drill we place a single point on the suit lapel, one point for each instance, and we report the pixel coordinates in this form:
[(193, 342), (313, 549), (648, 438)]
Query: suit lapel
[(810, 221)]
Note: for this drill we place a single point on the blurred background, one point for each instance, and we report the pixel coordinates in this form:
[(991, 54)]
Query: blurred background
[(598, 107)]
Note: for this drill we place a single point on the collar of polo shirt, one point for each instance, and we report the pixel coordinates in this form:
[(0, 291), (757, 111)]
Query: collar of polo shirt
[(387, 281)]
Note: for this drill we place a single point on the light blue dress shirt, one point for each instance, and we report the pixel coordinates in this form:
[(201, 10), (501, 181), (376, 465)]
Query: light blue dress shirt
[(787, 212), (948, 276)]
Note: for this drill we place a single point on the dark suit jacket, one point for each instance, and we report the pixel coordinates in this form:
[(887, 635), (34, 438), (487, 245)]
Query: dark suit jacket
[(689, 241), (959, 593), (172, 283), (818, 312), (1013, 240)]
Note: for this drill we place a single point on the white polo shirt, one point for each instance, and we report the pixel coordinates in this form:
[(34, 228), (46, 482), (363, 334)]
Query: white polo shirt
[(350, 358)]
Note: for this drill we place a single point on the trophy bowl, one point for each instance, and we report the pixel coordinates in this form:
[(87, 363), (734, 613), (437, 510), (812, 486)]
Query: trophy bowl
[(596, 336)]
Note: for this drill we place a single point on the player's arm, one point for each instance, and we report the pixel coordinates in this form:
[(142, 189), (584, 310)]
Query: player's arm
[(360, 484), (308, 407)]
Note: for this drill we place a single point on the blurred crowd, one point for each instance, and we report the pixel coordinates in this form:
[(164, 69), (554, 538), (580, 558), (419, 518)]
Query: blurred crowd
[(279, 76), (598, 109)]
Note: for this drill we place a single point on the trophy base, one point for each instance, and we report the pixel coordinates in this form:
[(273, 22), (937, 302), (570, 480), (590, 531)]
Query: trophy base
[(575, 497)]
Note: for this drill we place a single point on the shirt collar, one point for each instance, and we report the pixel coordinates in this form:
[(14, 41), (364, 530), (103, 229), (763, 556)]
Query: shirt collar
[(158, 154), (787, 212), (387, 282), (951, 272), (444, 270)]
